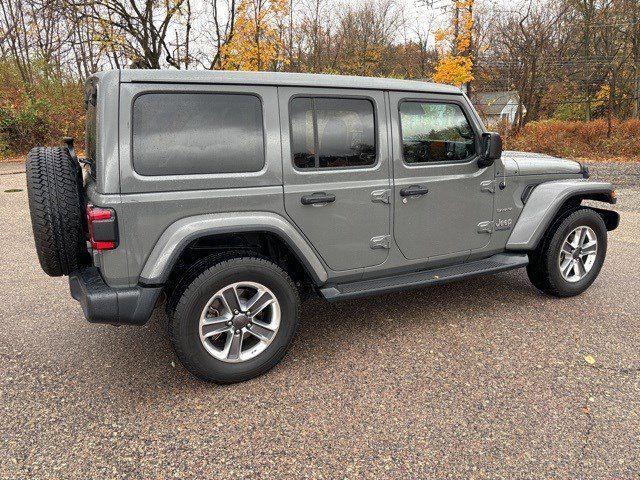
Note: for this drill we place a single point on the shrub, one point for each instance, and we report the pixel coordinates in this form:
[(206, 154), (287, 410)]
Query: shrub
[(579, 139), (37, 114)]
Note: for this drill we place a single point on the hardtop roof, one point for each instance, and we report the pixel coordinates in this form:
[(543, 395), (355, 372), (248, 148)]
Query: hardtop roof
[(283, 79)]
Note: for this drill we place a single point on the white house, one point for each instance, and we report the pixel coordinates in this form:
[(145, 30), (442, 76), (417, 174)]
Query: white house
[(496, 107)]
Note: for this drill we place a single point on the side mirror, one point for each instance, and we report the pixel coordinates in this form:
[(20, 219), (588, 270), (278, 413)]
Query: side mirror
[(491, 149)]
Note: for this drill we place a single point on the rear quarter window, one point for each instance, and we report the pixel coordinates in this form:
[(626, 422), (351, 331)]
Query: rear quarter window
[(197, 133)]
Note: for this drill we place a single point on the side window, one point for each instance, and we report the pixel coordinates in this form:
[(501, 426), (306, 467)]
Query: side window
[(332, 132), (435, 132), (197, 133)]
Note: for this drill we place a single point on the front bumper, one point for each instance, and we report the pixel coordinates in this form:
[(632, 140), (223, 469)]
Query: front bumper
[(104, 304)]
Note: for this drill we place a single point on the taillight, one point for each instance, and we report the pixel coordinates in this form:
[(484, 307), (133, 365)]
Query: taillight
[(102, 227)]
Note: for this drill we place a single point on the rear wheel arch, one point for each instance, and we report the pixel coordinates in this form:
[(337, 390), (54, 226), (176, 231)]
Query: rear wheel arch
[(228, 231), (209, 249)]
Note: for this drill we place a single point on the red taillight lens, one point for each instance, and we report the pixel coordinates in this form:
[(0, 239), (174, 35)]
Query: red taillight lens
[(94, 213), (102, 220), (103, 245)]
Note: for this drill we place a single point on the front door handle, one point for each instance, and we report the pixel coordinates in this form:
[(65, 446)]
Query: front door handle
[(317, 198), (413, 190)]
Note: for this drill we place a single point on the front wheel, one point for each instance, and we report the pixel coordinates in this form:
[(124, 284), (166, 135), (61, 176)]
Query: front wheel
[(571, 256), (235, 320)]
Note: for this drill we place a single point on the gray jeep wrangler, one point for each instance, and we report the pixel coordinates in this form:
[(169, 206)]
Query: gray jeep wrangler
[(230, 195)]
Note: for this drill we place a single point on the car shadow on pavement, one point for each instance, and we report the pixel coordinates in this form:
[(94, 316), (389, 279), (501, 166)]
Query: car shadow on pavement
[(327, 326), (326, 329)]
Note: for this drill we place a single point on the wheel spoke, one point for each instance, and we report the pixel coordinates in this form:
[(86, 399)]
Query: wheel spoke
[(235, 346), (567, 248), (566, 266), (259, 302), (213, 326), (230, 297), (575, 241), (261, 331), (580, 270), (583, 235), (590, 248)]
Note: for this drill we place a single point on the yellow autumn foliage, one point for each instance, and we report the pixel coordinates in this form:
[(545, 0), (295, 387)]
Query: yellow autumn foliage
[(256, 43), (456, 68), (602, 96), (463, 41)]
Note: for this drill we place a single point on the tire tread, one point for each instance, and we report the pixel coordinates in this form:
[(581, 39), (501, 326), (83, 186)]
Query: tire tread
[(55, 205)]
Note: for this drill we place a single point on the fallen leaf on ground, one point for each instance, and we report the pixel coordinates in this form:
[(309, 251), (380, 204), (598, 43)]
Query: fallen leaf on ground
[(589, 359)]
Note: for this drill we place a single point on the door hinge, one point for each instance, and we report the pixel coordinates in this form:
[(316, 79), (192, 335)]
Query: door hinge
[(381, 196), (379, 242), (485, 227), (488, 186)]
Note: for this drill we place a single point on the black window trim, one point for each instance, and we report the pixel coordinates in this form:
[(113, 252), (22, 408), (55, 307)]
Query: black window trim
[(198, 175), (91, 98), (476, 133), (313, 96)]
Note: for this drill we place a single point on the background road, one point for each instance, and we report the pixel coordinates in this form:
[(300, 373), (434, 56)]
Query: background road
[(481, 379)]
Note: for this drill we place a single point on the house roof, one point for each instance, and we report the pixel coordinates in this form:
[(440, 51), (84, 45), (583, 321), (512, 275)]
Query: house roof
[(282, 79), (492, 103)]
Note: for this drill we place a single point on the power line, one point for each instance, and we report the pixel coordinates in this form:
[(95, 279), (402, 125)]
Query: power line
[(560, 102)]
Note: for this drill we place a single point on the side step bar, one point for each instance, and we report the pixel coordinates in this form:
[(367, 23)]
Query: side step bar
[(436, 276)]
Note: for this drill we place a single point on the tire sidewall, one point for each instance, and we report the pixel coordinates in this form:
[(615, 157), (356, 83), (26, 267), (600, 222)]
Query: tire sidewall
[(583, 217), (186, 322)]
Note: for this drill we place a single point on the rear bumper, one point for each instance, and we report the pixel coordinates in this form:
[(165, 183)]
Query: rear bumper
[(104, 304)]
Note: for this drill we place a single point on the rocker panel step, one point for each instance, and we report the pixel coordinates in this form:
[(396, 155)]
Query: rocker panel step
[(435, 276)]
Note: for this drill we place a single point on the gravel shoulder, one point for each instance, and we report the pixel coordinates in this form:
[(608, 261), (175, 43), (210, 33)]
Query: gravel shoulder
[(481, 379)]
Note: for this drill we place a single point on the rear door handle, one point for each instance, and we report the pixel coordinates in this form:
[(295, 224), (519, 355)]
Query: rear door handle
[(413, 190), (317, 198)]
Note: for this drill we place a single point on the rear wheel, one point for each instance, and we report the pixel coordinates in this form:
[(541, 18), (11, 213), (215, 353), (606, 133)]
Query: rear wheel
[(56, 204), (235, 320), (571, 256)]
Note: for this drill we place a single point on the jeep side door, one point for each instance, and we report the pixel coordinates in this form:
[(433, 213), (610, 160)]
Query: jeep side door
[(443, 202), (335, 157)]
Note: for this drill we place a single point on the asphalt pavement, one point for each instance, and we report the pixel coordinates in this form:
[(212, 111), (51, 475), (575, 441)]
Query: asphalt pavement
[(482, 379)]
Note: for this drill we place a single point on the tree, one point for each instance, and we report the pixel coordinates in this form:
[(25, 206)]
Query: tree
[(632, 7), (456, 67), (223, 19), (256, 43), (526, 51), (138, 30)]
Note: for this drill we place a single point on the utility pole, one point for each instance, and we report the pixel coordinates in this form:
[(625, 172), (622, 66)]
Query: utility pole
[(470, 50), (291, 69), (635, 48), (586, 44), (456, 27)]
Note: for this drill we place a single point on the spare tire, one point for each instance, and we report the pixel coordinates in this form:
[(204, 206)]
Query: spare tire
[(54, 186)]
